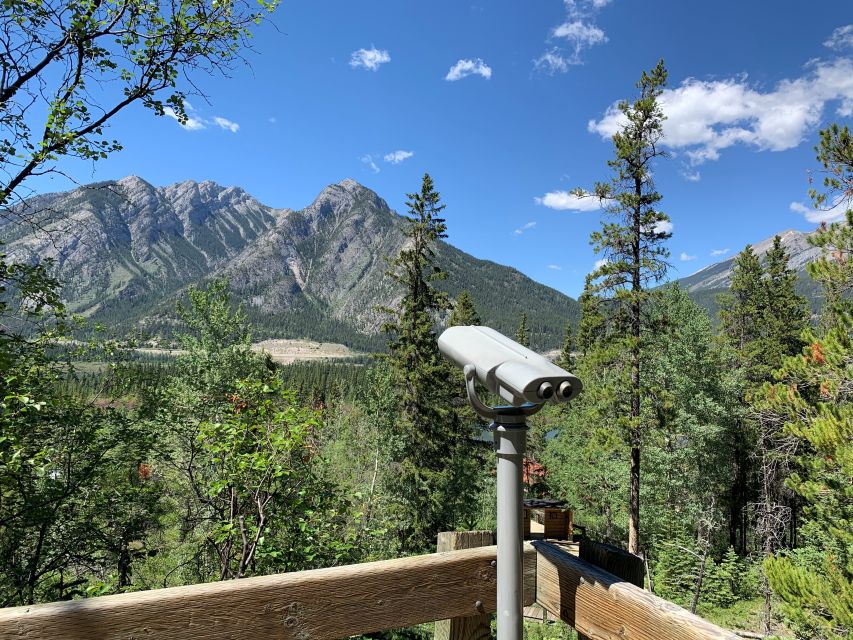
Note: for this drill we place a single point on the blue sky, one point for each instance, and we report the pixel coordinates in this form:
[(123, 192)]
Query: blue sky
[(507, 104)]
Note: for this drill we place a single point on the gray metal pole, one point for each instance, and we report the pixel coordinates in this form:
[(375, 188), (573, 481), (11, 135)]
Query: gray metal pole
[(510, 440)]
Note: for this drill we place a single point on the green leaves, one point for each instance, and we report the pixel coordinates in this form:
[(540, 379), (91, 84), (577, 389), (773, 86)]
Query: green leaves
[(126, 50)]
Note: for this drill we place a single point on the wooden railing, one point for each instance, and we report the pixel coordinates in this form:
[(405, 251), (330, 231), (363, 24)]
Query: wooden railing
[(327, 604)]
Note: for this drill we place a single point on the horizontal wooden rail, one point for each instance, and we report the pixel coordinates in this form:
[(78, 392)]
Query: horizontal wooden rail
[(325, 604), (603, 607)]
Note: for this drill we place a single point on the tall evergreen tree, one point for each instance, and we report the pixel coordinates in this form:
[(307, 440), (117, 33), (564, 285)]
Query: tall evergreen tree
[(835, 275), (592, 323), (428, 433), (741, 310), (812, 398), (785, 315), (740, 315), (521, 336), (464, 312), (566, 359), (633, 248)]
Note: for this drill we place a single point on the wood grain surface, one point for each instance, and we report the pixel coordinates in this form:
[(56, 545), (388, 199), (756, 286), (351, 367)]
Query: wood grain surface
[(323, 604), (476, 627), (604, 607)]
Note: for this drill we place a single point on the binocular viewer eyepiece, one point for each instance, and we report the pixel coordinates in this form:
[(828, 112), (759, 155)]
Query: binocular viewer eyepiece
[(506, 368)]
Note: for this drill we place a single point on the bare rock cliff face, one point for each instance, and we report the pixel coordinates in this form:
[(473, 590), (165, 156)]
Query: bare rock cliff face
[(126, 251), (128, 238)]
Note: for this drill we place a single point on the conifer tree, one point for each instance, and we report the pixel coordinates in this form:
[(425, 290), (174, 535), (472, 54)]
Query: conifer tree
[(566, 359), (521, 336), (464, 312), (633, 248), (427, 432), (785, 315), (740, 316), (591, 325), (741, 310), (835, 153), (812, 397)]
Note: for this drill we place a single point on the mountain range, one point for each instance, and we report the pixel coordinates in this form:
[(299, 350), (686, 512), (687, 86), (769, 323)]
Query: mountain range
[(704, 285), (126, 251)]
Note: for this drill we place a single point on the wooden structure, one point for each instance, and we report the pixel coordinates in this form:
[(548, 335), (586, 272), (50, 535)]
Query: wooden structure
[(327, 604), (555, 517), (473, 627)]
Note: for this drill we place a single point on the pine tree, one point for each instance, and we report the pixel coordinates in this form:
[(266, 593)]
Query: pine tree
[(785, 314), (592, 323), (812, 397), (633, 248), (740, 315), (521, 336), (427, 433), (566, 359), (835, 275), (741, 311), (687, 455), (464, 312)]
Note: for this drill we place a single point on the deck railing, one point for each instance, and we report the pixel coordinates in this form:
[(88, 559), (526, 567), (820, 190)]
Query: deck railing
[(327, 604)]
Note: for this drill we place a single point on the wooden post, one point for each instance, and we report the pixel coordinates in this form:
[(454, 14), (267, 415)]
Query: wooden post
[(476, 627)]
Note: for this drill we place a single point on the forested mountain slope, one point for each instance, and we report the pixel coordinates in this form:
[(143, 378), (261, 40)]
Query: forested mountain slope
[(125, 251), (704, 285)]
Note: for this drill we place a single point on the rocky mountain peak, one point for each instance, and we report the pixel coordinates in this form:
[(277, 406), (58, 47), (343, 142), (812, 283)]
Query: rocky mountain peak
[(318, 272), (717, 276), (348, 184), (341, 197), (133, 183)]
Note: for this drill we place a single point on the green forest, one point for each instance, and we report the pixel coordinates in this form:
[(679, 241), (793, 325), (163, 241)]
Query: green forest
[(718, 449)]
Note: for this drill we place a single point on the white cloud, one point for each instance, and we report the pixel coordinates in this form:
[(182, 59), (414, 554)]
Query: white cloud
[(719, 252), (664, 226), (196, 122), (555, 267), (192, 123), (369, 58), (832, 214), (396, 157), (371, 164), (465, 68), (525, 227), (685, 257), (579, 33), (705, 117), (226, 124), (563, 200), (691, 176), (841, 38), (600, 263), (552, 62)]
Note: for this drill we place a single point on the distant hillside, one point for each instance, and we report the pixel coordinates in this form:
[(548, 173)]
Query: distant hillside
[(704, 285), (127, 250)]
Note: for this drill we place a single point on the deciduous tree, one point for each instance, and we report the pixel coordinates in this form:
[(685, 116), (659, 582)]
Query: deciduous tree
[(70, 67)]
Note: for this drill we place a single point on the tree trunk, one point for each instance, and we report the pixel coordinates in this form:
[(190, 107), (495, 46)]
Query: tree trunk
[(124, 565), (699, 580), (636, 288), (634, 524)]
